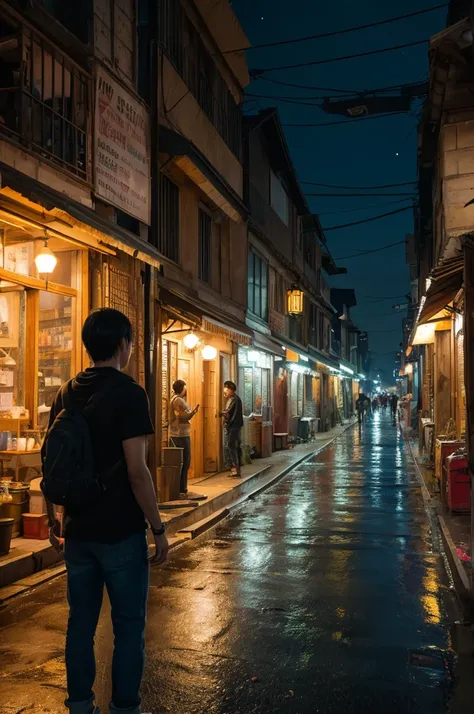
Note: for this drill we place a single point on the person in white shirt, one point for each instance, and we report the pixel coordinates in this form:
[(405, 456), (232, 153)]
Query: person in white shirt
[(180, 429)]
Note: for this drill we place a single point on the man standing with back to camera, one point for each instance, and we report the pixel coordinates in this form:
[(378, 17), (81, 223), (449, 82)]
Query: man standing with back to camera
[(105, 539)]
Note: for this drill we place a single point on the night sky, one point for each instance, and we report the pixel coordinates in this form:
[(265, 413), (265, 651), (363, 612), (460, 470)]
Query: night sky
[(378, 151)]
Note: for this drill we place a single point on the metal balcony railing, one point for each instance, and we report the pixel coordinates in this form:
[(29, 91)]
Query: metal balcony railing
[(44, 100)]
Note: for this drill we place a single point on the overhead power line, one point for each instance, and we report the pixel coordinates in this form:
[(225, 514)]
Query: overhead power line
[(367, 252), (333, 33), (363, 208), (359, 195), (347, 121), (341, 91), (350, 188), (375, 299), (368, 220), (257, 72)]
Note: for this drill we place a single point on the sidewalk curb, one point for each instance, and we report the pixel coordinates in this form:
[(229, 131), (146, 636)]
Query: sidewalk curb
[(458, 573), (188, 526)]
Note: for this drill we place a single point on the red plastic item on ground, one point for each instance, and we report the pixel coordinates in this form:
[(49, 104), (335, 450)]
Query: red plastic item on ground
[(35, 525), (458, 486)]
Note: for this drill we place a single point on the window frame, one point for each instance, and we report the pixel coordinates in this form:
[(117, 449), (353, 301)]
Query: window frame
[(204, 246), (168, 225), (279, 200), (257, 284)]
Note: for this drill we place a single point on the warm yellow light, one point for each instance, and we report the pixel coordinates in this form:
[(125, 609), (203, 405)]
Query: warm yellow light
[(45, 260), (424, 334), (294, 301), (208, 352), (191, 341), (409, 368)]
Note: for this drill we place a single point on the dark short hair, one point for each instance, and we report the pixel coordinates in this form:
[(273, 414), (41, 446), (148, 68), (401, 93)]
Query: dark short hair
[(178, 386), (103, 332), (230, 385)]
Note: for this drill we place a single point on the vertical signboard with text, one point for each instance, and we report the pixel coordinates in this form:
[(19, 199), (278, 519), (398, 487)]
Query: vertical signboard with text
[(121, 148)]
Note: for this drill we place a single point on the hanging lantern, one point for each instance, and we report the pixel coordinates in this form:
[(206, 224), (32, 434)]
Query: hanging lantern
[(45, 259), (191, 340), (208, 352), (294, 297)]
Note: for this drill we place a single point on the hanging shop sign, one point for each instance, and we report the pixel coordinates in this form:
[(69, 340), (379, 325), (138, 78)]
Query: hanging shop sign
[(121, 148)]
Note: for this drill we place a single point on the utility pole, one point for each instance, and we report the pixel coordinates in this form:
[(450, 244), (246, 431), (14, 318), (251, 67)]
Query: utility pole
[(151, 286), (469, 370)]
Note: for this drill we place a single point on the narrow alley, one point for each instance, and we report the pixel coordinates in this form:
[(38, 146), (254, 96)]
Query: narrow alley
[(324, 594)]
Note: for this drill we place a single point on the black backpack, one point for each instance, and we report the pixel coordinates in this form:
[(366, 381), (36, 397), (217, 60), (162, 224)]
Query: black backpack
[(70, 478)]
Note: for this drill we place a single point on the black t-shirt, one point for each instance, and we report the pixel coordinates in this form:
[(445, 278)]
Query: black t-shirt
[(123, 413), (234, 411)]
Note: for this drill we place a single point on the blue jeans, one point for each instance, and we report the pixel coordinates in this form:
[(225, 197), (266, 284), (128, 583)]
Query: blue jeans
[(123, 569), (232, 447)]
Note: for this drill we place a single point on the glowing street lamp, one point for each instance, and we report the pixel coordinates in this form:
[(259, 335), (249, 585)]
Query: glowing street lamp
[(294, 298)]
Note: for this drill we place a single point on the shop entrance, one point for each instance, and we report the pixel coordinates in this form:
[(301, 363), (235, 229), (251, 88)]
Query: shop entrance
[(225, 374), (209, 408)]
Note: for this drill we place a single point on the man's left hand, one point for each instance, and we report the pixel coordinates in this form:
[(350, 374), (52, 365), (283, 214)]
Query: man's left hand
[(56, 542)]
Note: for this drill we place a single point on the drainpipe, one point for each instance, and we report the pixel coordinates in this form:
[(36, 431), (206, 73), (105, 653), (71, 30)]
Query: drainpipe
[(150, 284)]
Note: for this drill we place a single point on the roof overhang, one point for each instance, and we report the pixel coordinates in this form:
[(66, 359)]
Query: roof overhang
[(26, 202), (194, 164), (436, 305)]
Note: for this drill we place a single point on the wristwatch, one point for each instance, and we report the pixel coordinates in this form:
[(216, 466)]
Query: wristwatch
[(158, 531)]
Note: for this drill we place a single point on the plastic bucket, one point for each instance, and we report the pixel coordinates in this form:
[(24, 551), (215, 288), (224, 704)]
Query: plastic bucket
[(17, 507), (6, 532)]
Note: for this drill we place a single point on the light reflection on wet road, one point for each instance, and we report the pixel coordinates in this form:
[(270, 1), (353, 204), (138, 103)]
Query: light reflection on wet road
[(323, 595)]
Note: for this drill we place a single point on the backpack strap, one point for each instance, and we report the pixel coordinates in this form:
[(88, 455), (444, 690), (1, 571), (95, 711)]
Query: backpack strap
[(67, 398)]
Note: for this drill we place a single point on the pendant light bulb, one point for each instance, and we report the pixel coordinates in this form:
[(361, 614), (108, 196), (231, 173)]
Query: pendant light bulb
[(191, 341), (45, 260)]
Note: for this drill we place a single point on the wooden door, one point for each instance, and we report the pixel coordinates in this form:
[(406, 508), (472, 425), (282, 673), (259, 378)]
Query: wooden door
[(225, 374), (209, 409), (280, 425)]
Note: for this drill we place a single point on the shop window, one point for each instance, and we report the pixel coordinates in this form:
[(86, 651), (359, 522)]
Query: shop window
[(57, 324), (12, 350), (254, 381), (168, 237), (254, 386), (296, 388), (18, 248), (279, 199), (204, 246), (257, 286)]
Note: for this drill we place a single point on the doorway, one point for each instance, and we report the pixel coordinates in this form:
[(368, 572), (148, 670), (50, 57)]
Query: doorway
[(209, 409)]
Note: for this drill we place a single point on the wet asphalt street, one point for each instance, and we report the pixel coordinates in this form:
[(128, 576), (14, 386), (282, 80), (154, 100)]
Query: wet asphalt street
[(324, 595)]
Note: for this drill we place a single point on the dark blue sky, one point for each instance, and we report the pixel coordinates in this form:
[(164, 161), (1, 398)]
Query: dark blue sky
[(379, 151)]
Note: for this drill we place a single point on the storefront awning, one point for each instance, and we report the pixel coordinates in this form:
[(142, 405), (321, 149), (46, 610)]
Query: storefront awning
[(266, 343), (195, 165), (68, 218), (236, 331), (445, 282), (323, 359), (211, 320)]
